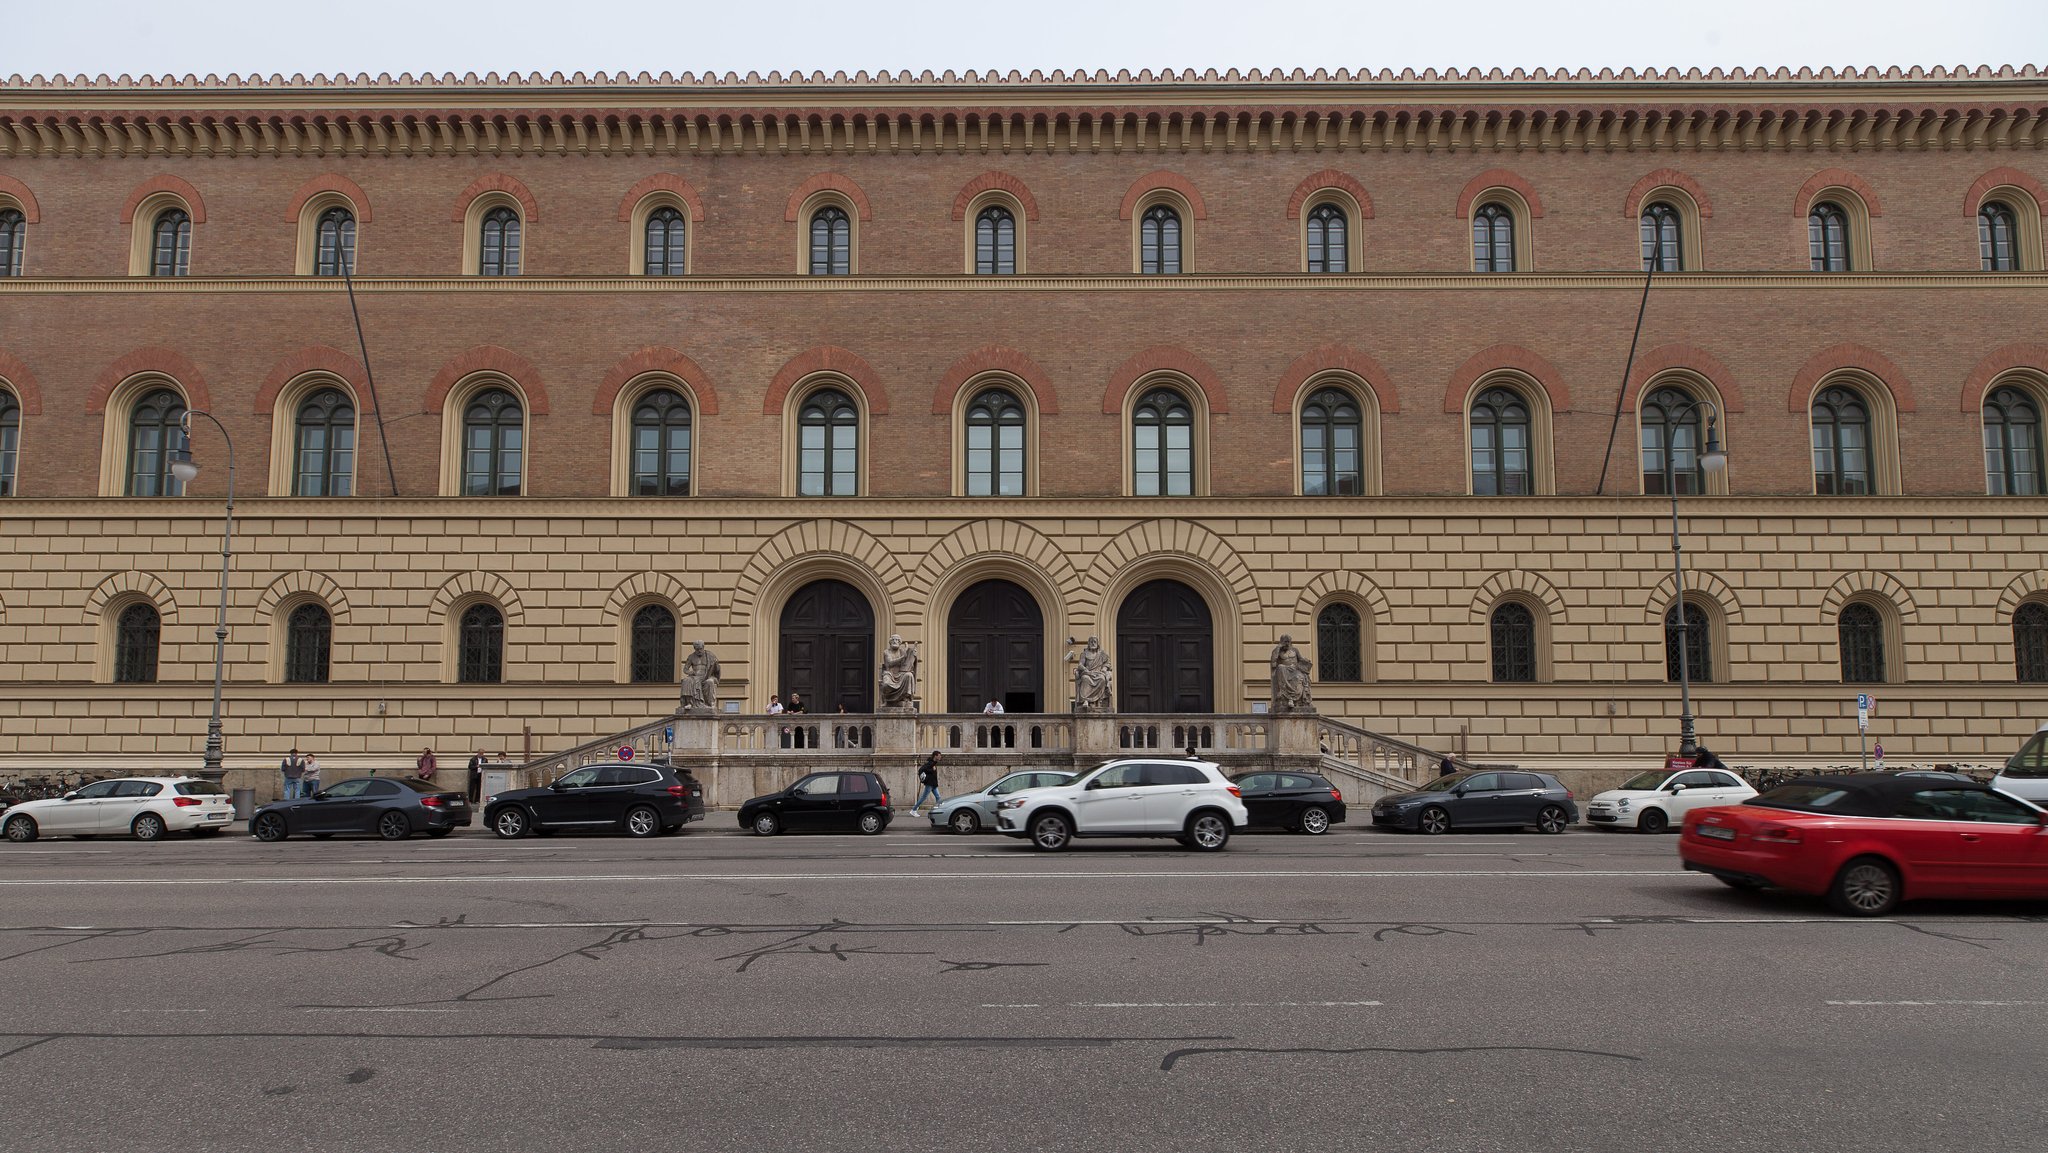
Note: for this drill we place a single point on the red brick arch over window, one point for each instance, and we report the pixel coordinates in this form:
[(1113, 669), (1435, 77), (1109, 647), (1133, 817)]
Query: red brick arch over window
[(1153, 181), (30, 212), (164, 183), (329, 182), (996, 358), (1685, 356), (529, 209), (489, 358), (662, 182), (2003, 360), (1337, 358), (1667, 178), (1165, 358), (824, 182), (995, 182), (1498, 178), (1512, 357), (1328, 178), (167, 361), (315, 358), (1835, 178), (656, 358), (1849, 356), (27, 392), (1973, 199), (826, 358)]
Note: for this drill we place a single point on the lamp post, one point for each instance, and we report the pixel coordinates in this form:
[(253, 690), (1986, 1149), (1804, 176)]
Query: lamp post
[(1714, 462), (187, 470)]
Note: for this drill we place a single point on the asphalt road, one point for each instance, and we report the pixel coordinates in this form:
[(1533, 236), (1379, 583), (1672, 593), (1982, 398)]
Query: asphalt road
[(918, 991)]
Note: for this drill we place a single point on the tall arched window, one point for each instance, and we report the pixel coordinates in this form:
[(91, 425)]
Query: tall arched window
[(13, 239), (1997, 235), (334, 243), (2012, 443), (480, 646), (1159, 241), (831, 242), (1500, 444), (1827, 237), (308, 641), (661, 444), (170, 251), (1514, 643), (136, 635), (995, 444), (995, 242), (1339, 645), (493, 437), (654, 646), (1331, 437), (1329, 239), (1163, 445), (1493, 239), (666, 250), (1860, 634), (500, 253), (828, 446), (154, 429), (1661, 246), (324, 445), (10, 440), (1699, 661), (2030, 643), (1669, 428), (1841, 443)]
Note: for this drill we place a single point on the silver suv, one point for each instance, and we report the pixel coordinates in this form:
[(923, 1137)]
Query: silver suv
[(1187, 800)]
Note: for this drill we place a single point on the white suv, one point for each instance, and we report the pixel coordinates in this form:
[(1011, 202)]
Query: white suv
[(1190, 801)]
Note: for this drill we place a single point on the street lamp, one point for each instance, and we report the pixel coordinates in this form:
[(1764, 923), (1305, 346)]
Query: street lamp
[(1714, 462), (187, 470)]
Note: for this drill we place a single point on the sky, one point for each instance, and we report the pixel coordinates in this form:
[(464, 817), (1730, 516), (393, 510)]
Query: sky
[(373, 36)]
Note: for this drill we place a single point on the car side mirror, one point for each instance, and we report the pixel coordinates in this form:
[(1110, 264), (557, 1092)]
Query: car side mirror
[(1675, 788), (1457, 790), (557, 786), (71, 796), (321, 795)]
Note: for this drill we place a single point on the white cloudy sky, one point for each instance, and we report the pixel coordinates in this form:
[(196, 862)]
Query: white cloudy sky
[(201, 36)]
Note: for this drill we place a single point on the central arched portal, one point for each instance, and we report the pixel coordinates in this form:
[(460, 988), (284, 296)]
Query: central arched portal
[(828, 647), (995, 649), (1165, 651)]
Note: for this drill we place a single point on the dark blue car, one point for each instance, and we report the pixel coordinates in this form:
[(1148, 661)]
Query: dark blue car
[(393, 808), (1483, 799)]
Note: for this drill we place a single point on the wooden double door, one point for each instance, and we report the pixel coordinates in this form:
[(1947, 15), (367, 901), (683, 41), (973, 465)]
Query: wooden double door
[(1165, 651), (828, 648), (995, 649)]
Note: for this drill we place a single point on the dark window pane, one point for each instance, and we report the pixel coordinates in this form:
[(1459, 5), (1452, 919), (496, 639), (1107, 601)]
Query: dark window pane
[(1696, 636), (13, 241), (2030, 643), (1163, 459), (324, 445), (499, 255), (665, 243), (1860, 633), (10, 441), (171, 244), (1500, 444), (831, 242), (654, 646), (1672, 432), (995, 242), (2012, 444), (1493, 239), (1328, 239), (661, 444), (1514, 643), (155, 430), (492, 427), (1661, 239), (334, 243), (1159, 241), (828, 445), (995, 445), (1339, 646), (307, 642), (1996, 231), (480, 646), (1841, 443), (1827, 236), (136, 636), (1332, 438)]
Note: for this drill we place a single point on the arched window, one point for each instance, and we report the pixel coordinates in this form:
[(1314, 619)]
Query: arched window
[(154, 429), (10, 440), (2012, 443), (666, 252), (1997, 233), (1329, 239), (995, 444), (136, 635), (480, 646), (1860, 633), (1671, 424), (654, 646), (1699, 663), (661, 444), (1163, 445), (324, 445), (1339, 647), (1841, 443), (1493, 239), (1159, 241), (1661, 247), (1500, 444), (1331, 436), (334, 243), (831, 242), (499, 255), (171, 244), (13, 239), (1514, 643), (828, 446), (995, 242), (1827, 237), (493, 435), (308, 640), (2030, 643)]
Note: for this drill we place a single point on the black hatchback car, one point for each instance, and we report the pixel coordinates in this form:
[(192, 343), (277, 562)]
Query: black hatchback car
[(830, 801), (393, 808), (1480, 800), (1298, 802), (639, 800)]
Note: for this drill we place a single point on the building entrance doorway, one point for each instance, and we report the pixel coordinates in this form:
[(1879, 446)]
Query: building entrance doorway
[(1165, 660), (828, 648), (995, 649)]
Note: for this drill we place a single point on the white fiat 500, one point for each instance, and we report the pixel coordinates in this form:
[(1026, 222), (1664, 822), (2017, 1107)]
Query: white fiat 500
[(1655, 801), (146, 808), (1190, 801)]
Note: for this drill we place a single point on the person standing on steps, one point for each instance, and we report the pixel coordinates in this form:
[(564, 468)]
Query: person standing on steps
[(294, 769), (927, 781)]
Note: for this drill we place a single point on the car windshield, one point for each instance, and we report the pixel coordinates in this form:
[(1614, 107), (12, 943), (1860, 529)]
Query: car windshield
[(1810, 797), (200, 789), (1646, 780)]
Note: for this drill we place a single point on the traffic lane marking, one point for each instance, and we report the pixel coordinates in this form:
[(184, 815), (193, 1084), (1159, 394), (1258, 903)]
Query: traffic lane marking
[(1191, 1005), (557, 878)]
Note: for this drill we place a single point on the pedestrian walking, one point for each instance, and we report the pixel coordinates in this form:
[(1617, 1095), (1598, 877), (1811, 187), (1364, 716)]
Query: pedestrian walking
[(476, 776), (309, 776), (294, 769), (1446, 767), (424, 767), (928, 781)]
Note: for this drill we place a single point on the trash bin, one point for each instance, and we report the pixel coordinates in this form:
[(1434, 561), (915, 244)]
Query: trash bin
[(245, 803)]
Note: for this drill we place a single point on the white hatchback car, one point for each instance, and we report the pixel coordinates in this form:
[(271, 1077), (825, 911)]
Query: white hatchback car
[(2025, 774), (146, 808), (1658, 800), (1190, 801)]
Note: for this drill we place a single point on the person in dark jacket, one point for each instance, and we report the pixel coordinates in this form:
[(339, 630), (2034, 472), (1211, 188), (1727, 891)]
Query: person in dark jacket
[(927, 781), (476, 776)]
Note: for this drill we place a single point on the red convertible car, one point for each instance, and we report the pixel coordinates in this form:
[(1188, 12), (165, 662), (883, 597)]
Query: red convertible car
[(1871, 840)]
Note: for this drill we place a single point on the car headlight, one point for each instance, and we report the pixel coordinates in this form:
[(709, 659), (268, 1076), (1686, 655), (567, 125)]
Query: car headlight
[(1622, 804), (1012, 803)]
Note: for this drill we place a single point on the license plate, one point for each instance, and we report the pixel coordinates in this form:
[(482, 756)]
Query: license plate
[(1716, 832), (216, 816)]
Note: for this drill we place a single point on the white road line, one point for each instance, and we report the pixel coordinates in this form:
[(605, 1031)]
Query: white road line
[(1965, 1004), (163, 1010), (1292, 874), (379, 1009), (1194, 1005), (61, 852)]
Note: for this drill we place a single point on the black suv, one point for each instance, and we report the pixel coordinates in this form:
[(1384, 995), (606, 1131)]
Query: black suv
[(640, 800), (842, 801)]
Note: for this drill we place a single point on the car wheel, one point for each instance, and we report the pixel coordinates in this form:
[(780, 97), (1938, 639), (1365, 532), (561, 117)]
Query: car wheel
[(394, 826), (642, 821), (510, 821), (21, 830), (1434, 821), (1741, 883), (766, 825), (1652, 821), (1553, 820), (1051, 833), (965, 820), (1315, 821), (1866, 887), (871, 822), (1208, 831), (148, 827), (268, 827)]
